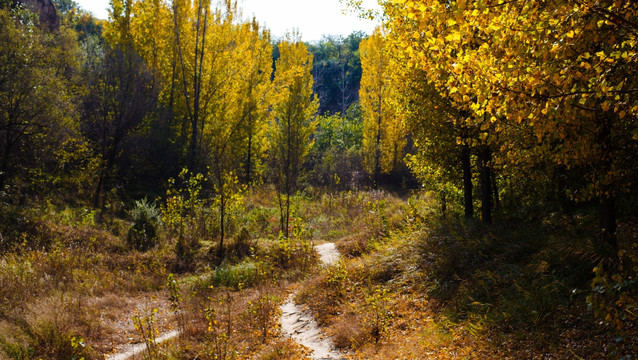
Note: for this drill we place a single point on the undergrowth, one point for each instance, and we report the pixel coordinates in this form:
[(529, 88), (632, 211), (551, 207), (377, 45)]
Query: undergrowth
[(519, 288), (410, 282)]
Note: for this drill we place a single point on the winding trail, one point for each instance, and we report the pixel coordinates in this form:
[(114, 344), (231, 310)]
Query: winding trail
[(134, 349), (299, 324), (296, 323)]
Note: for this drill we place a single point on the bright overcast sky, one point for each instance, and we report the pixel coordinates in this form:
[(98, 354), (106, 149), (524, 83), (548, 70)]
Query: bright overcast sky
[(313, 18)]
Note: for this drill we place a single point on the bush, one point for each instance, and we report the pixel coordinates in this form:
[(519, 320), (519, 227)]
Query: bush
[(146, 218)]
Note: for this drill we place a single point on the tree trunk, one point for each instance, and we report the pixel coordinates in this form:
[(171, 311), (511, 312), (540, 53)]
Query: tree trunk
[(486, 189), (443, 203), (608, 221), (497, 198), (222, 218), (281, 212), (249, 158), (98, 198), (607, 210), (287, 232), (467, 181), (4, 166), (377, 154)]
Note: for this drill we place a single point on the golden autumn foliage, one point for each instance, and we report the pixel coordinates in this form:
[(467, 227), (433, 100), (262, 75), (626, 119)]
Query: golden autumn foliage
[(294, 120), (539, 80), (383, 129)]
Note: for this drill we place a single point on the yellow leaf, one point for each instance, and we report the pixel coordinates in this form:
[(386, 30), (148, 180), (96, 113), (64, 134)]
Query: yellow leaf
[(455, 36), (570, 34)]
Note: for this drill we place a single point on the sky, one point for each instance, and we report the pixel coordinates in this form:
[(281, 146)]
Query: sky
[(313, 18)]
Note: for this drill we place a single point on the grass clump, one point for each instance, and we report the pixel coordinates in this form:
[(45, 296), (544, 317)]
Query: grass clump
[(237, 276)]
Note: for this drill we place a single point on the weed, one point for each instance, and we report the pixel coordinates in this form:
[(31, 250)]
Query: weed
[(220, 327), (17, 351), (378, 312), (262, 313), (241, 246), (175, 297), (337, 279), (292, 253), (145, 327)]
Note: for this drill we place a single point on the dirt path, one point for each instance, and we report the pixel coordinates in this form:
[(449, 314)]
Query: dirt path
[(300, 325), (134, 349), (296, 323), (123, 333)]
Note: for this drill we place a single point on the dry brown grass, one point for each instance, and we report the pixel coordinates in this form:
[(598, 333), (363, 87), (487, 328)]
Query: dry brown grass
[(285, 349), (354, 245), (349, 331)]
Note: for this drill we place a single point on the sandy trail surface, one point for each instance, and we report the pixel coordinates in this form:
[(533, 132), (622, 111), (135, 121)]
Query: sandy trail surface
[(135, 349), (299, 324)]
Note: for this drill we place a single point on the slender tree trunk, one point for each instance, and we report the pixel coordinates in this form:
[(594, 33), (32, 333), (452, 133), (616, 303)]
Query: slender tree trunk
[(222, 219), (99, 189), (443, 203), (249, 158), (467, 181), (281, 211), (377, 154), (485, 156), (4, 166), (497, 198), (98, 197), (608, 221), (287, 215), (607, 209)]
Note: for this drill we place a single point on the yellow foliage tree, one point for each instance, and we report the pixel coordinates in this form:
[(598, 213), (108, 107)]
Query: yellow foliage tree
[(294, 120), (383, 125)]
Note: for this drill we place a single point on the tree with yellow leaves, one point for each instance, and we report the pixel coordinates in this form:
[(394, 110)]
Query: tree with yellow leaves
[(383, 126), (256, 98), (294, 120)]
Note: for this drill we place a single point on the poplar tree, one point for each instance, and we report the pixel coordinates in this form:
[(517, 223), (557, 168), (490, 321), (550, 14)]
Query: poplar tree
[(383, 126), (294, 121)]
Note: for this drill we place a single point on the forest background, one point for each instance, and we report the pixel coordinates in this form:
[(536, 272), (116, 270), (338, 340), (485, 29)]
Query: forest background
[(181, 137)]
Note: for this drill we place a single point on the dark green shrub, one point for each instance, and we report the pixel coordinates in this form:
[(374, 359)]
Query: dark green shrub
[(146, 218)]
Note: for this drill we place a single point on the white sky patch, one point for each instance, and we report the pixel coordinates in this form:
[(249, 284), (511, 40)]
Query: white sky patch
[(313, 18)]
